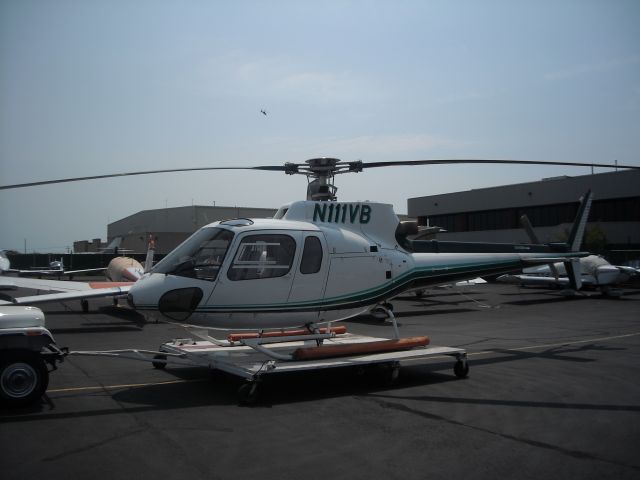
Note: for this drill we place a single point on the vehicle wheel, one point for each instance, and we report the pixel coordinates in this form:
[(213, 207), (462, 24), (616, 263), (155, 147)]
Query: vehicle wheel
[(461, 369), (23, 377), (159, 362), (85, 305)]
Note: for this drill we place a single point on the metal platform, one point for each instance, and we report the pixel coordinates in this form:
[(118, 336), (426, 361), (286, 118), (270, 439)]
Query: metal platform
[(246, 362), (252, 359)]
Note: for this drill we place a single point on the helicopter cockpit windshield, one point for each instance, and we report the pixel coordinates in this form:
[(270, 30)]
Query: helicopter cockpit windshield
[(200, 256)]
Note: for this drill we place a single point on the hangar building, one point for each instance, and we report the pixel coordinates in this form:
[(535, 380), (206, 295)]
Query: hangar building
[(170, 226), (493, 214)]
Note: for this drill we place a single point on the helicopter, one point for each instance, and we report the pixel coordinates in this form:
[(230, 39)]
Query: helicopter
[(318, 260)]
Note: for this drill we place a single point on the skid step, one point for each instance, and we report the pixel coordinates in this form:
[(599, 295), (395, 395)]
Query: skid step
[(238, 337)]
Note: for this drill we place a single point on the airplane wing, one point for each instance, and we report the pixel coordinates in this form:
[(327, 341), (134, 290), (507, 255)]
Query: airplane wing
[(533, 280), (628, 270), (55, 285), (544, 260), (65, 290), (62, 296), (54, 272), (86, 270), (473, 281)]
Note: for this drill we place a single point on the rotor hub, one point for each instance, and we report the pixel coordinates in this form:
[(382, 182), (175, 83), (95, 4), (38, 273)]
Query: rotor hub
[(323, 164)]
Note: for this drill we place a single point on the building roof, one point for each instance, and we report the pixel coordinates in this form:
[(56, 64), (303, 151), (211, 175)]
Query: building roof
[(550, 191), (181, 219)]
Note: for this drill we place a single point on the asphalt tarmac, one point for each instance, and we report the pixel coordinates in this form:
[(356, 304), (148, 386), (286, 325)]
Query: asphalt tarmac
[(553, 392)]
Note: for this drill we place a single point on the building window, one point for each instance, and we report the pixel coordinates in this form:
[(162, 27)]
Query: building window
[(616, 210)]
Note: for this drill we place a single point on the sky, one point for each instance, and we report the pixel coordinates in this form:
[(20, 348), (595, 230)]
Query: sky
[(93, 87)]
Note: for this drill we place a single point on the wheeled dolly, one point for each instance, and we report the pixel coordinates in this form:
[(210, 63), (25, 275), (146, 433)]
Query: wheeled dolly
[(252, 365)]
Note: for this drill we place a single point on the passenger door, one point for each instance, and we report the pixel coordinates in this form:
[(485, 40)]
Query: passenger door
[(260, 273)]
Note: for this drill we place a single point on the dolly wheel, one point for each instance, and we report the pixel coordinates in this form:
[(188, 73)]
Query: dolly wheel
[(247, 393), (461, 369), (389, 373), (159, 361), (23, 377)]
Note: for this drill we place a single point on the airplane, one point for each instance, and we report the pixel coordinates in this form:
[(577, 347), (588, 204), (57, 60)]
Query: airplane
[(5, 264), (595, 272), (121, 273), (55, 268), (318, 261)]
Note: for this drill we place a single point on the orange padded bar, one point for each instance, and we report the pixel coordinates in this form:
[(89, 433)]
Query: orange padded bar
[(313, 353)]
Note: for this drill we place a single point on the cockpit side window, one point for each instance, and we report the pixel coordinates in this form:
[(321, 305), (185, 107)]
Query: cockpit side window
[(200, 256), (311, 256), (263, 256)]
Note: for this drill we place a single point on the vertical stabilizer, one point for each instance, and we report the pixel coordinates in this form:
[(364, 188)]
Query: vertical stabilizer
[(151, 248), (574, 274), (580, 223), (526, 224)]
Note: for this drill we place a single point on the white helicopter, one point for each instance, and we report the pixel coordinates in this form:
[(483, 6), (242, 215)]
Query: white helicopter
[(318, 261)]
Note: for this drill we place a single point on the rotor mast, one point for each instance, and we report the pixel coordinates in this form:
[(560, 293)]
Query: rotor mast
[(320, 173)]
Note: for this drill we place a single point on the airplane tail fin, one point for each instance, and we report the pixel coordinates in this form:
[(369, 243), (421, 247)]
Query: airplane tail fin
[(526, 224), (572, 266), (573, 273), (151, 247), (580, 223), (575, 241)]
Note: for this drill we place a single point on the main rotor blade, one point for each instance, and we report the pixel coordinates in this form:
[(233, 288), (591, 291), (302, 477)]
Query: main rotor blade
[(520, 162), (279, 168)]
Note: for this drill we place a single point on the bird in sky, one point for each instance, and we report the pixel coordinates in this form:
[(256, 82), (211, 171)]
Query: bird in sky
[(264, 112)]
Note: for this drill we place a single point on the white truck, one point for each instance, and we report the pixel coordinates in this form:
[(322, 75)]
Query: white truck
[(28, 353)]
